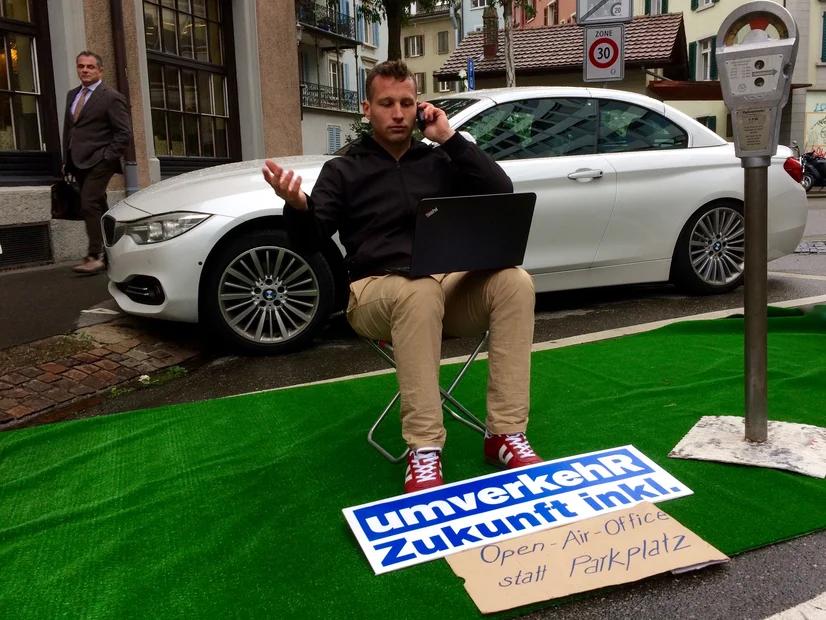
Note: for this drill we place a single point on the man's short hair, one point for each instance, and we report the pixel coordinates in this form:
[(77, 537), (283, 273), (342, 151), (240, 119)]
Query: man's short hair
[(395, 69), (93, 55)]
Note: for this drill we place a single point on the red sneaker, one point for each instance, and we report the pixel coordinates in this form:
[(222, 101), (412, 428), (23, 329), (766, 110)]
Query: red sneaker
[(509, 451), (424, 471)]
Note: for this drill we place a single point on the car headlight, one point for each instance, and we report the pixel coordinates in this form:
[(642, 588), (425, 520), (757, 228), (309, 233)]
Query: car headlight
[(163, 227)]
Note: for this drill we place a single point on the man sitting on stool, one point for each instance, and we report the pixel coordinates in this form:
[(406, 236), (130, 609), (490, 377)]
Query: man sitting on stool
[(370, 196)]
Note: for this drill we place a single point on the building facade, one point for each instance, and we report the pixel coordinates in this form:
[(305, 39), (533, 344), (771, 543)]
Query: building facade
[(427, 41), (337, 48), (208, 82)]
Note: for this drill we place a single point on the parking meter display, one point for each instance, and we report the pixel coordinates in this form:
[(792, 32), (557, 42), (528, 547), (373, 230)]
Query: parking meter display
[(754, 76)]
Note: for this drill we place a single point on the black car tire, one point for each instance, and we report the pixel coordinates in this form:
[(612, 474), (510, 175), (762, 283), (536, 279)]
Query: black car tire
[(683, 273), (807, 182), (281, 300)]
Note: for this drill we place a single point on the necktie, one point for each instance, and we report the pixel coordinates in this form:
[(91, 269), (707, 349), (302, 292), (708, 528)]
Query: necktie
[(80, 102)]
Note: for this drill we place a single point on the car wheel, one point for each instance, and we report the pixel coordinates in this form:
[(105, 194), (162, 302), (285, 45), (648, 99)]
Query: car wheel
[(263, 296), (807, 182), (710, 254)]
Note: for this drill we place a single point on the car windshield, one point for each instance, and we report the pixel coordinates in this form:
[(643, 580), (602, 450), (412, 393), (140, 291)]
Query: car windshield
[(451, 107)]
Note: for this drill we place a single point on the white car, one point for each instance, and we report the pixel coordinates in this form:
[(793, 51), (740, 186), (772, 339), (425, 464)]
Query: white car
[(629, 190)]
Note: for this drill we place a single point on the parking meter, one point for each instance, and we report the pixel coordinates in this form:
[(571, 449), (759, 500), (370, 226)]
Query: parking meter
[(756, 50)]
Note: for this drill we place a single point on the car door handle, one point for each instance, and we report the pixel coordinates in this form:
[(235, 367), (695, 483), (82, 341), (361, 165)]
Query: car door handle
[(585, 174)]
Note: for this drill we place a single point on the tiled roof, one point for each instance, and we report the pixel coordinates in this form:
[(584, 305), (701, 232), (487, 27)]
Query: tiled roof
[(650, 40)]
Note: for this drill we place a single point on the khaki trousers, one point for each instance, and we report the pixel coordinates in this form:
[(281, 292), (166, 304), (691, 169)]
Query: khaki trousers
[(413, 314)]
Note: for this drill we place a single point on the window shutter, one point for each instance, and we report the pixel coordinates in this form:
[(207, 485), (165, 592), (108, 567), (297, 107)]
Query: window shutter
[(363, 84), (435, 84), (664, 6), (823, 41), (713, 68), (337, 137), (407, 47), (346, 77), (331, 137), (712, 123), (376, 33), (359, 23), (421, 45), (344, 8), (692, 60), (695, 4), (648, 7), (305, 66)]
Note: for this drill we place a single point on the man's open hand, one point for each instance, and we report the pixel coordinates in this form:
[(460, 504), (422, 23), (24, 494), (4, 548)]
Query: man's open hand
[(286, 184)]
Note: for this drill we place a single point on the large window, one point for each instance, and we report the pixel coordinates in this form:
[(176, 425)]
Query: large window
[(29, 142), (193, 100)]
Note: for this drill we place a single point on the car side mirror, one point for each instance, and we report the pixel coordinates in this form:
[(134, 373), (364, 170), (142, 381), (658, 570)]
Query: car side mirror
[(468, 137)]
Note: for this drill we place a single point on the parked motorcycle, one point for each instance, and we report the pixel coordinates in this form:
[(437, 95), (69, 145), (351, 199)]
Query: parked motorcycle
[(814, 168)]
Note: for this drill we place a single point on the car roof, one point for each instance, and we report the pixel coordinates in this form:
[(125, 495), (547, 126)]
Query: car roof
[(503, 95)]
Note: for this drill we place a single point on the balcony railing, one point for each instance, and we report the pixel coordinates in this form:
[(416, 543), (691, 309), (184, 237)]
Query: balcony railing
[(442, 8), (325, 17), (320, 96)]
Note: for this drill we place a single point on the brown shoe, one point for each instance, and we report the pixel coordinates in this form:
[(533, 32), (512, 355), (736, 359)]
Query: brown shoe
[(90, 265)]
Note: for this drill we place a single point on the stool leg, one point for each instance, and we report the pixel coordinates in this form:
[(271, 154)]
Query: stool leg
[(372, 442)]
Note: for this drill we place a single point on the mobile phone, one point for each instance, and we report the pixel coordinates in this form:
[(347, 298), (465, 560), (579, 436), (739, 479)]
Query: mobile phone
[(420, 122)]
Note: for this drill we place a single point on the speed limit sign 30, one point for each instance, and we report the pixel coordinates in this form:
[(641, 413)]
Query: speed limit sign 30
[(604, 54)]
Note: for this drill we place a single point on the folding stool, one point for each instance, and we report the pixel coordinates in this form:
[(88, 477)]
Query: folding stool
[(385, 350)]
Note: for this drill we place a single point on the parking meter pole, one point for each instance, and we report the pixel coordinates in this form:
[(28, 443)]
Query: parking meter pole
[(756, 298)]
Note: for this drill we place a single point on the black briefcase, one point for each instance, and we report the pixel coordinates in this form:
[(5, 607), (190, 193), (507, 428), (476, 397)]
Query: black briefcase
[(66, 200)]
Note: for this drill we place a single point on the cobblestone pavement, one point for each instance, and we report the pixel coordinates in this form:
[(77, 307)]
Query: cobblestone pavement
[(811, 247), (114, 353)]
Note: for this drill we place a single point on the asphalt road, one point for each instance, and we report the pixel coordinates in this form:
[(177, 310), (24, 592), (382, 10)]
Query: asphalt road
[(46, 301), (754, 585)]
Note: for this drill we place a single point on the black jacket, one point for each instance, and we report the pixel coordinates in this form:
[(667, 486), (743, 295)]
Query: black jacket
[(371, 199)]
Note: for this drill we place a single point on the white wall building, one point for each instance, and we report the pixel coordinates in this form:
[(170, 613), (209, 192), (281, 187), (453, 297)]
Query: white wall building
[(336, 50)]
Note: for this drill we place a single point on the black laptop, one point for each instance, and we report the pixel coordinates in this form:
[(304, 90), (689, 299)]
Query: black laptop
[(469, 233)]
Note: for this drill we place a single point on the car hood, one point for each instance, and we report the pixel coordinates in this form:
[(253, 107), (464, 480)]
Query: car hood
[(222, 190)]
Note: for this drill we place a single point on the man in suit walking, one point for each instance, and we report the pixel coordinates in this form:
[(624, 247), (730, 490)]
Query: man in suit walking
[(96, 131)]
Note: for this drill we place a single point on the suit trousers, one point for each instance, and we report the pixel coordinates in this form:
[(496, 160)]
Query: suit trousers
[(93, 183), (415, 313)]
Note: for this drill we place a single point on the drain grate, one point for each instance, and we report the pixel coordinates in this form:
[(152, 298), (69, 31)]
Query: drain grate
[(23, 245)]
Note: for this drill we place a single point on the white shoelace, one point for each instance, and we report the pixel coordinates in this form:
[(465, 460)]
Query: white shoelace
[(519, 444), (425, 466)]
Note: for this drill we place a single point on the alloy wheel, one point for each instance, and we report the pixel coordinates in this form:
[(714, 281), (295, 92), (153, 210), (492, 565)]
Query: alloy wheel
[(268, 294), (717, 246)]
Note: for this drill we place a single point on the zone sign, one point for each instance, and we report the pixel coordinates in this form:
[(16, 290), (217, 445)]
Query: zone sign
[(591, 12), (604, 54)]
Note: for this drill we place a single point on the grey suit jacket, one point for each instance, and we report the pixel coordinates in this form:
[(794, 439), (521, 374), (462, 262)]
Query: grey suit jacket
[(102, 131)]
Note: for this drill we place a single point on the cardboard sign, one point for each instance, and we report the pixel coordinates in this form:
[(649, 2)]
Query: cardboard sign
[(418, 527), (622, 547)]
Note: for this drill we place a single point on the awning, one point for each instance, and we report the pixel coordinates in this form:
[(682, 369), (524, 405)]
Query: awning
[(679, 90)]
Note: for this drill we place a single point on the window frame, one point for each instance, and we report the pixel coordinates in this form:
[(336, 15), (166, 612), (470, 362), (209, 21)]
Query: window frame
[(408, 42), (421, 83), (40, 167), (704, 53), (172, 165), (476, 5)]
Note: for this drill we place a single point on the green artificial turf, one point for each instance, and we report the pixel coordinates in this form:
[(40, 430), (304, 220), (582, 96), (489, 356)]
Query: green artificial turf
[(231, 508)]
